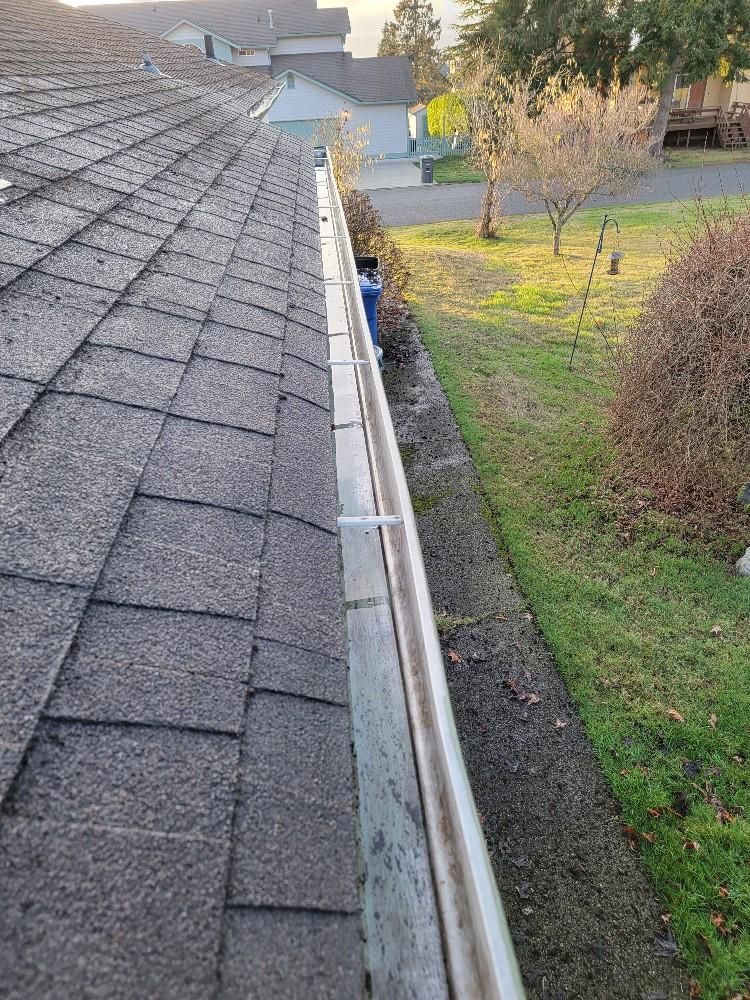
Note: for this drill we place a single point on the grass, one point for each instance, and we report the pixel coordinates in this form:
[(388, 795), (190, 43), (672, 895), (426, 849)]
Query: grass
[(697, 157), (456, 170), (628, 602)]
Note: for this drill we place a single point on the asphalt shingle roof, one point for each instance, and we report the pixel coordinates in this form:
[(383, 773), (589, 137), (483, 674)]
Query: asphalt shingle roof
[(375, 79), (178, 816), (243, 22)]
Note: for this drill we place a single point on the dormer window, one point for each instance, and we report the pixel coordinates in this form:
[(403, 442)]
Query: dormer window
[(291, 82)]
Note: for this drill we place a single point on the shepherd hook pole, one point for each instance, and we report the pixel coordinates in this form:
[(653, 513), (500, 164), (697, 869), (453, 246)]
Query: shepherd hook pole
[(599, 247)]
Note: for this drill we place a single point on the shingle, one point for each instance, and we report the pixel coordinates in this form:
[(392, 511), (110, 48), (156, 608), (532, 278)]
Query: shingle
[(108, 236), (247, 317), (228, 343), (210, 464), (37, 336), (16, 396), (41, 221), (305, 343), (150, 331), (210, 223), (123, 639), (83, 908), (212, 556), (291, 956), (270, 277), (132, 777), (75, 193), (66, 293), (68, 476), (170, 293), (37, 622), (301, 587), (203, 245), (296, 789), (120, 375), (307, 381), (304, 478), (92, 266), (279, 667), (228, 394), (187, 266), (22, 253)]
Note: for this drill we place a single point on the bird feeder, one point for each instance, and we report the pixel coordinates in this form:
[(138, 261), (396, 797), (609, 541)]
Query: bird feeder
[(614, 261)]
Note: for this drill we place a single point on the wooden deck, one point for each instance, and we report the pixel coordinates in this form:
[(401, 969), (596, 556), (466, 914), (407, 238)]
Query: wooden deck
[(730, 128)]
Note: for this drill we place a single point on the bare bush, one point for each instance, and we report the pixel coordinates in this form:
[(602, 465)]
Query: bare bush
[(347, 148), (681, 417), (370, 238)]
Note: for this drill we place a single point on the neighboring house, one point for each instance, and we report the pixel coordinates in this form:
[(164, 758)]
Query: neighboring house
[(375, 92), (418, 122), (710, 110), (302, 47)]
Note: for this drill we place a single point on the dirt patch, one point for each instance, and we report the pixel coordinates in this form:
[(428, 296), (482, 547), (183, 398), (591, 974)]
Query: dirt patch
[(585, 919)]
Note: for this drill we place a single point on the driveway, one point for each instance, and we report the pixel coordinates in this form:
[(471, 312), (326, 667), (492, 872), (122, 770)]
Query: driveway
[(450, 202), (390, 174)]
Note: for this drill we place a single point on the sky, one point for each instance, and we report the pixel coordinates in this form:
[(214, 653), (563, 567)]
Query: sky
[(368, 17)]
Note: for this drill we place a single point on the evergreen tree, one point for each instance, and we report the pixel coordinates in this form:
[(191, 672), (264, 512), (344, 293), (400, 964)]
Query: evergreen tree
[(414, 32)]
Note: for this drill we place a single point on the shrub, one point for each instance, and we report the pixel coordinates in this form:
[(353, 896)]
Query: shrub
[(681, 417), (447, 114), (370, 239)]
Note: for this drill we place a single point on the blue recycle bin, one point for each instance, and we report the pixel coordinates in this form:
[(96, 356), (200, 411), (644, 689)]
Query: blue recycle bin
[(371, 287)]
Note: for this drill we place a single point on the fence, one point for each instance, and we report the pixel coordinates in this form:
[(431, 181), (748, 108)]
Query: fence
[(450, 145)]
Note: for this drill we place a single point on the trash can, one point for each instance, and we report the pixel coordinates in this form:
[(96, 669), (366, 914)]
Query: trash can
[(371, 287), (427, 164)]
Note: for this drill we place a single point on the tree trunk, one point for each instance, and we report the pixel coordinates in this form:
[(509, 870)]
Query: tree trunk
[(659, 128), (556, 239), (486, 226)]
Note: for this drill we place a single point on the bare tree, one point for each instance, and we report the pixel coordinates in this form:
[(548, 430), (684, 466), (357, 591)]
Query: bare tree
[(485, 98), (347, 148), (570, 142)]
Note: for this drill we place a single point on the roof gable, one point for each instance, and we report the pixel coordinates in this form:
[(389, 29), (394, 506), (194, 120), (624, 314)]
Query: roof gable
[(381, 79)]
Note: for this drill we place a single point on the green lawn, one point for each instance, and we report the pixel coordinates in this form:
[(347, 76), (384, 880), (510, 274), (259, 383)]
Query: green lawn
[(697, 157), (649, 626), (456, 170)]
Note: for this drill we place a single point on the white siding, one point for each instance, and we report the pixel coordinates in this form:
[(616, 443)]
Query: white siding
[(262, 57), (293, 45), (186, 34), (310, 102)]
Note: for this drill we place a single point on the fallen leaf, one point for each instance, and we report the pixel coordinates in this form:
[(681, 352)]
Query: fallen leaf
[(695, 990), (723, 892), (561, 724), (531, 698), (656, 813), (691, 845), (716, 630), (527, 616), (720, 923), (650, 837), (666, 919), (712, 720), (632, 834), (454, 657), (674, 715), (738, 760), (524, 890)]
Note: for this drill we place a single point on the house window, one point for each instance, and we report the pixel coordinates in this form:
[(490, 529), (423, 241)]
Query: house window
[(681, 93), (291, 83), (247, 52), (208, 42)]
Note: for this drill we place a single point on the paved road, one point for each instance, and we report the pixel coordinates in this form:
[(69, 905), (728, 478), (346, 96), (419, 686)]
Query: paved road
[(448, 202)]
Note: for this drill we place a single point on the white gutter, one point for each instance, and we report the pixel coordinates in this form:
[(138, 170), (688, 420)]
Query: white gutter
[(479, 961)]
